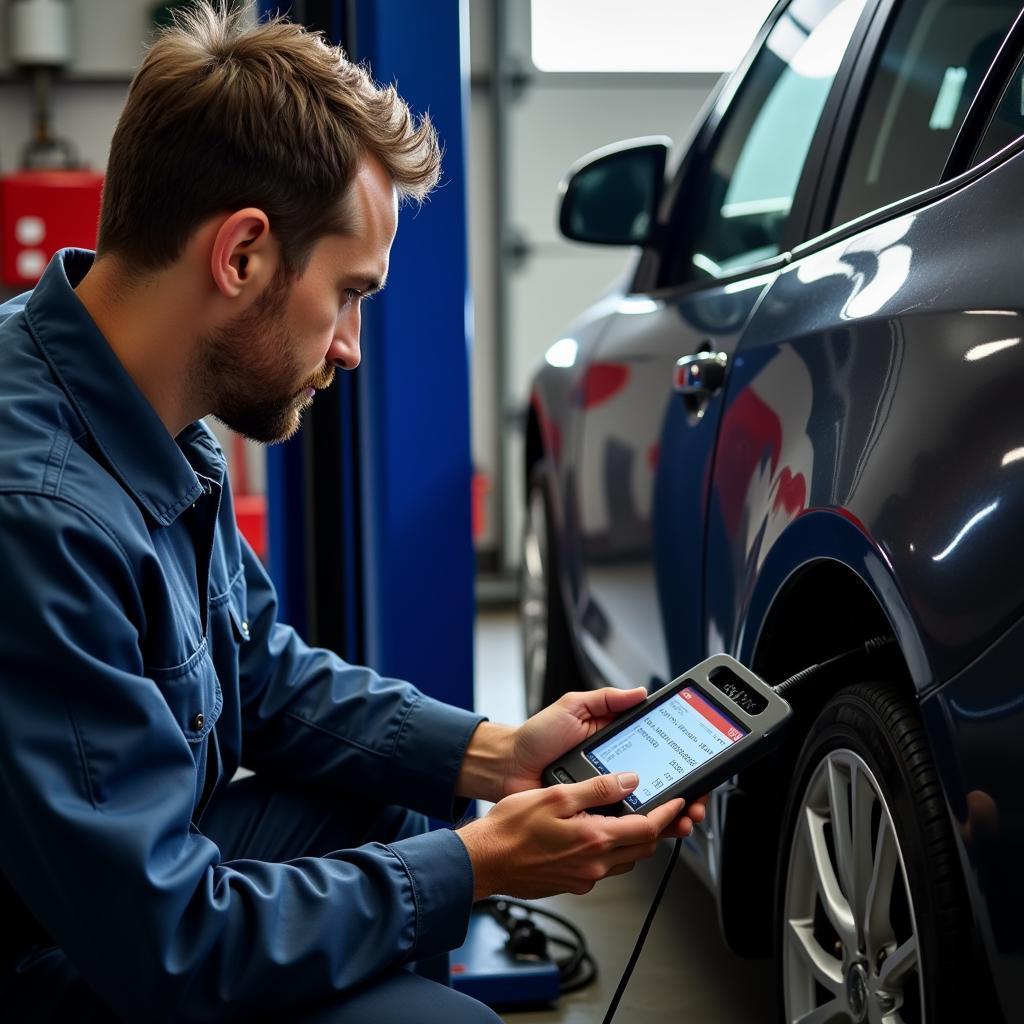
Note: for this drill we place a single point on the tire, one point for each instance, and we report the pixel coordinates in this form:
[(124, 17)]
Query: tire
[(867, 816), (549, 661)]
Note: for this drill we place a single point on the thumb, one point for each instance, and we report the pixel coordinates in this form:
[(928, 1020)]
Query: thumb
[(600, 791)]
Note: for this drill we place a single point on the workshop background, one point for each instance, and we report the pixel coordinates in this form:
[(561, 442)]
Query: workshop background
[(395, 518)]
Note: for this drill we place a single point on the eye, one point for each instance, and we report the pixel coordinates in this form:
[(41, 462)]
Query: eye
[(356, 295)]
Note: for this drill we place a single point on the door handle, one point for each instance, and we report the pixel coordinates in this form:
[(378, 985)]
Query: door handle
[(700, 375)]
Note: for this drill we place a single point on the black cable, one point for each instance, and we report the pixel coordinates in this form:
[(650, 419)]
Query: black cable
[(576, 970), (789, 686), (642, 937)]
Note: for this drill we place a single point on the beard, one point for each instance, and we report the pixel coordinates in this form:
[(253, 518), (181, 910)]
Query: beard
[(250, 374)]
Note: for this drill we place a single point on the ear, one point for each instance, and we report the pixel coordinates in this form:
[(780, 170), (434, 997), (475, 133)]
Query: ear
[(244, 255)]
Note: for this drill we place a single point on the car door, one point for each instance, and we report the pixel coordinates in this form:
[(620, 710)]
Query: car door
[(651, 395)]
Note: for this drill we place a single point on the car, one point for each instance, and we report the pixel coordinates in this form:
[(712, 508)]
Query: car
[(793, 429)]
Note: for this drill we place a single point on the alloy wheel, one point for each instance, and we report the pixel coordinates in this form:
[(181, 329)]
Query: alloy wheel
[(850, 941)]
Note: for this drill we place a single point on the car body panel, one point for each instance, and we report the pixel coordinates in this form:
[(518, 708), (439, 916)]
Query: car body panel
[(554, 396), (643, 473), (874, 367)]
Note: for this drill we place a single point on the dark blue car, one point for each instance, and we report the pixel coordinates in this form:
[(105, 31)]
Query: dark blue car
[(796, 426)]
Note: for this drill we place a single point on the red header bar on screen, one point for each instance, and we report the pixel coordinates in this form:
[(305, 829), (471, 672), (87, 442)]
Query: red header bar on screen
[(711, 713)]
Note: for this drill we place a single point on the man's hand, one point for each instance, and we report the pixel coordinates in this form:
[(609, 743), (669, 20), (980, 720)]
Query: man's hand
[(501, 761), (561, 726), (541, 842)]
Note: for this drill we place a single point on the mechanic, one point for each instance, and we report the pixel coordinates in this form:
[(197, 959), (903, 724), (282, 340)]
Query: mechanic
[(250, 205)]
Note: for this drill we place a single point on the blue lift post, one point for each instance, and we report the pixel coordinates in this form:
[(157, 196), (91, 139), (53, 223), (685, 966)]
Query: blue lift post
[(369, 506), (415, 418)]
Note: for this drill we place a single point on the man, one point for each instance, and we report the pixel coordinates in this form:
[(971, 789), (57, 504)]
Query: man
[(250, 206)]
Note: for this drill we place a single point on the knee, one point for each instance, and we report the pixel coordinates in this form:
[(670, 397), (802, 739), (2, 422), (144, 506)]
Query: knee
[(484, 1014), (401, 997)]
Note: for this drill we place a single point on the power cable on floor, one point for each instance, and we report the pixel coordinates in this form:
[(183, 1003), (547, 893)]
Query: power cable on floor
[(526, 941)]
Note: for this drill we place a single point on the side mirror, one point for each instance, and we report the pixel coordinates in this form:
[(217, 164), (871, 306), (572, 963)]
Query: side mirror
[(611, 196)]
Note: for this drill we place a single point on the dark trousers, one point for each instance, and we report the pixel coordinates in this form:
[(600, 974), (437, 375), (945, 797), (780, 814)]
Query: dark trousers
[(274, 821)]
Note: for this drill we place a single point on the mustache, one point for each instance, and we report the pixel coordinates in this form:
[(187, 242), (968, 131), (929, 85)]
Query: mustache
[(323, 378)]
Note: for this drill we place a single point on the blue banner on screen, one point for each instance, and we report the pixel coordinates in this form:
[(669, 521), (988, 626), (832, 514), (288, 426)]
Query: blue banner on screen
[(670, 741)]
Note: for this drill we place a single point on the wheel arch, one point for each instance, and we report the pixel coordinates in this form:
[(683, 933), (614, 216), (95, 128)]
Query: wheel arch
[(791, 622)]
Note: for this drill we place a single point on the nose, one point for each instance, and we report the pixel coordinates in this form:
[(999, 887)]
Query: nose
[(344, 350)]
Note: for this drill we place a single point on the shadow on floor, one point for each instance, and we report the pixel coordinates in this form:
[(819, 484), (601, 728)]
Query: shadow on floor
[(686, 975)]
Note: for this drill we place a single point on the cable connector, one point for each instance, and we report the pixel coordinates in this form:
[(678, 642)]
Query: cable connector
[(794, 683), (527, 941)]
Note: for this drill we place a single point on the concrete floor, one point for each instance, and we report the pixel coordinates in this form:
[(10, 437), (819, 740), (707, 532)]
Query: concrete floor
[(686, 974)]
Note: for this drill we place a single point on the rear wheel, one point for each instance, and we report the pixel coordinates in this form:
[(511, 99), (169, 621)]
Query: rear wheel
[(873, 923), (549, 660)]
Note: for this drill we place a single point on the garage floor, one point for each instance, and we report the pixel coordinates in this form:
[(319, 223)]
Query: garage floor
[(685, 975)]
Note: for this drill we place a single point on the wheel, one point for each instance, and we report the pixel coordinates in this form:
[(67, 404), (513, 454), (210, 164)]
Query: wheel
[(872, 920), (549, 661)]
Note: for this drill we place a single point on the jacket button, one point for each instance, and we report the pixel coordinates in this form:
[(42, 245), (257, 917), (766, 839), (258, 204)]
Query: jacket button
[(245, 630), (197, 722)]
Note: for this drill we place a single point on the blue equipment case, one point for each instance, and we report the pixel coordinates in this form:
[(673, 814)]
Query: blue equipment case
[(481, 968)]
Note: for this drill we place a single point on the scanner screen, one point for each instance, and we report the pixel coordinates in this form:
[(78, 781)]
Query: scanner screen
[(670, 741)]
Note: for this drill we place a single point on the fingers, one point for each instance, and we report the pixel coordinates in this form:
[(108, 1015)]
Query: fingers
[(697, 811), (621, 869), (622, 859), (604, 703), (680, 828), (597, 792), (611, 701), (636, 829), (661, 817)]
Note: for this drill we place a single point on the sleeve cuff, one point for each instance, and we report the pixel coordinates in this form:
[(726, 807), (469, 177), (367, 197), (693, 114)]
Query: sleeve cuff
[(441, 876), (430, 749)]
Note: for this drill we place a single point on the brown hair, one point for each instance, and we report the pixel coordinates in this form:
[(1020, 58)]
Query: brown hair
[(224, 114)]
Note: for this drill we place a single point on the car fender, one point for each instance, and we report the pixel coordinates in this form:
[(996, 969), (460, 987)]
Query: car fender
[(833, 536)]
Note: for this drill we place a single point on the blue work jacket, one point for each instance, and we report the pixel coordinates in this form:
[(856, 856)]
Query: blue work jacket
[(142, 662)]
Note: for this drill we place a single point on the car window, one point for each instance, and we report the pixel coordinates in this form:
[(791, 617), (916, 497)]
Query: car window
[(738, 201), (934, 57), (1007, 122)]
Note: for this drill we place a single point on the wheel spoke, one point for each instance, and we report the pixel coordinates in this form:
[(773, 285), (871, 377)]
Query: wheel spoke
[(897, 965), (832, 1012), (862, 803), (532, 559), (832, 899), (827, 970), (878, 931), (839, 783)]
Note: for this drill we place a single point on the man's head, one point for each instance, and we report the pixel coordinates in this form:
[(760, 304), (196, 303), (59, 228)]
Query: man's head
[(258, 371), (282, 163)]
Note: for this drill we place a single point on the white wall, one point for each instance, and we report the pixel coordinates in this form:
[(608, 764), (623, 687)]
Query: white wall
[(108, 38)]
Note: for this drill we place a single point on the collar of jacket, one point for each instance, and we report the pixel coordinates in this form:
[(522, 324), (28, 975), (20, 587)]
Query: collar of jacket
[(159, 471)]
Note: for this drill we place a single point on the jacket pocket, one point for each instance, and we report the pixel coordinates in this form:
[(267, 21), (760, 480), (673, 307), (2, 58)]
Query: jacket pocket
[(192, 692)]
